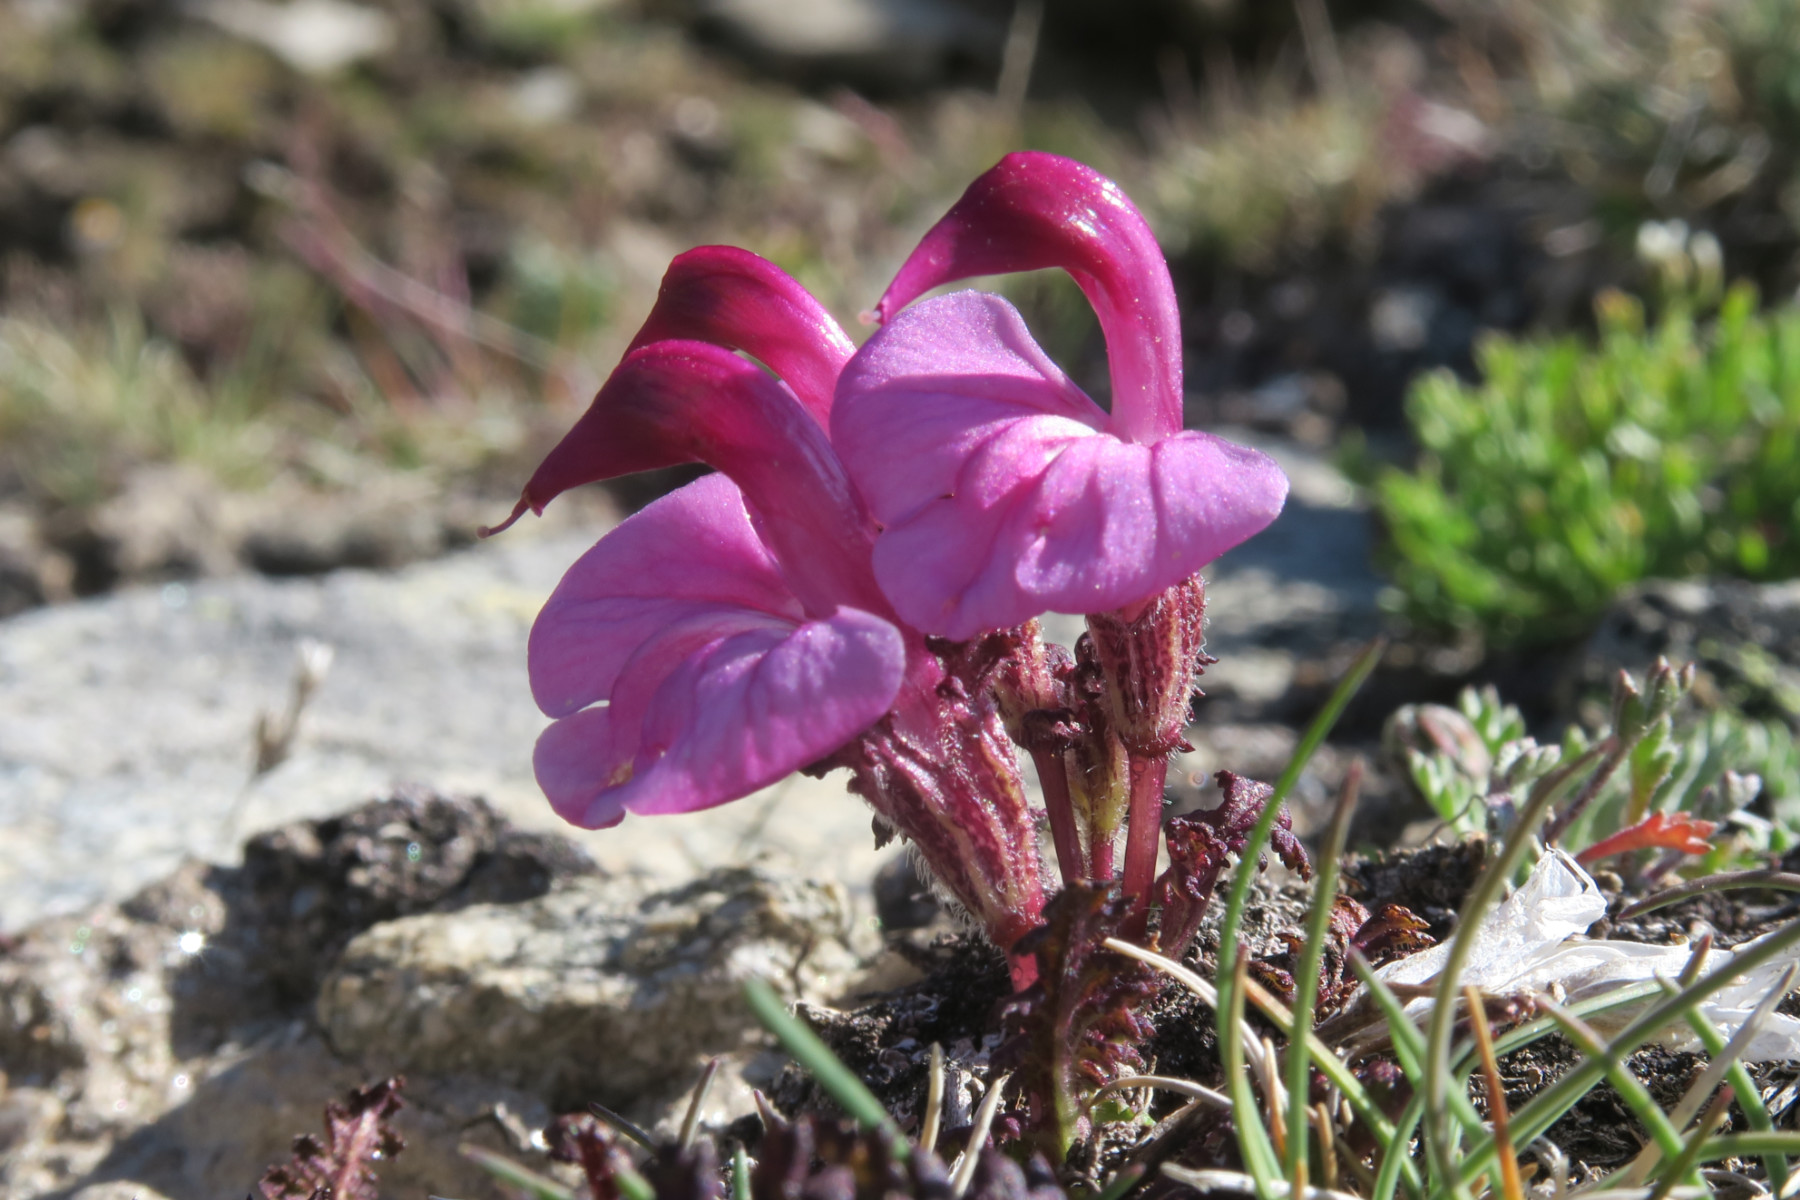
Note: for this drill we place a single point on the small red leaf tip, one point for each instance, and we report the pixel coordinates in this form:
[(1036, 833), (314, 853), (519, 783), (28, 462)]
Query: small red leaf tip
[(1658, 831)]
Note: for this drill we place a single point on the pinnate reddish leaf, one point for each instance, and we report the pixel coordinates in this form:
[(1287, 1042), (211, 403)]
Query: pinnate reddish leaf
[(1658, 831)]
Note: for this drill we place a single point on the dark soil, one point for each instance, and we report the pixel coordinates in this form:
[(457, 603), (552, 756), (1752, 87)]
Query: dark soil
[(959, 1005)]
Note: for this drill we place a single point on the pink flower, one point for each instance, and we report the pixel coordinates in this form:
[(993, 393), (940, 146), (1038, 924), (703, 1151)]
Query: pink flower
[(1002, 489), (688, 659), (733, 632), (728, 655)]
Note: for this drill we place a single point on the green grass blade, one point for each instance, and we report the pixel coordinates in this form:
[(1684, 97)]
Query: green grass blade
[(1409, 1043), (1397, 1156), (1127, 1178), (1631, 1090), (1440, 1134), (1750, 1145), (810, 1052), (1524, 1035), (1306, 980), (740, 1174), (1253, 1139), (1776, 881), (1547, 1106), (538, 1187), (1333, 1067), (1681, 1167), (1251, 855), (1259, 836), (1756, 1113)]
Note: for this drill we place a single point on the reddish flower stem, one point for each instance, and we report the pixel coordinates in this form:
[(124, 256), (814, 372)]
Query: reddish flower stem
[(1100, 863), (1144, 824), (1053, 775)]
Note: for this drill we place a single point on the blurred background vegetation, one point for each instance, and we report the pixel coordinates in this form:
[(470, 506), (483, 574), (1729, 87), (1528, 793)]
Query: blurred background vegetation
[(288, 284)]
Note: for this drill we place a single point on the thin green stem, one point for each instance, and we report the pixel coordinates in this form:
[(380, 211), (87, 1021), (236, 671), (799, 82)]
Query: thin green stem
[(1230, 929), (1333, 1067), (1547, 1106), (810, 1052), (1616, 751), (1756, 1113), (1631, 1090), (1748, 1145), (1440, 1140), (1776, 881), (1306, 981), (1253, 1139), (1232, 924), (740, 1174), (1683, 1165)]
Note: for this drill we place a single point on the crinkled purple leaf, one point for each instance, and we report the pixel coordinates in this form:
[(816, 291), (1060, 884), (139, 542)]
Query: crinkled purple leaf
[(340, 1166), (1003, 492), (1084, 1020)]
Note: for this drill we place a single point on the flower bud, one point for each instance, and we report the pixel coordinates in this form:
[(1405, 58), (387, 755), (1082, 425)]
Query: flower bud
[(1151, 661)]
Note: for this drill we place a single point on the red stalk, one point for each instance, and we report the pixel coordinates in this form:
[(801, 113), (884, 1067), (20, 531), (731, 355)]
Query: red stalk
[(1053, 775), (1100, 851), (1148, 776)]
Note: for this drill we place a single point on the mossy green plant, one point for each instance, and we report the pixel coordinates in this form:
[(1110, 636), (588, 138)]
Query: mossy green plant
[(1666, 450)]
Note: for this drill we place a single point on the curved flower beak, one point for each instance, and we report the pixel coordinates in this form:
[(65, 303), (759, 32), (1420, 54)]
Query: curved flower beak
[(735, 299), (678, 401), (729, 298), (1036, 210)]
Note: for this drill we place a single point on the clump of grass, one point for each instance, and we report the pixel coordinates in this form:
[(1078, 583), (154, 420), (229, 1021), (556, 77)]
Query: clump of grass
[(79, 408), (1439, 1144), (1245, 185), (1657, 108)]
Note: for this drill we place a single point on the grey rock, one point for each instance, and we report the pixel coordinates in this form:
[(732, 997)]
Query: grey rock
[(118, 1189), (170, 1040), (275, 925), (126, 725), (165, 521), (319, 37), (392, 520), (245, 1109), (31, 573), (887, 43), (592, 992)]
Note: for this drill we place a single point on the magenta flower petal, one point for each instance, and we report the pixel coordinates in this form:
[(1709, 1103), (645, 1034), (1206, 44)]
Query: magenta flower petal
[(630, 588), (1003, 492), (736, 715), (731, 297), (1036, 210)]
